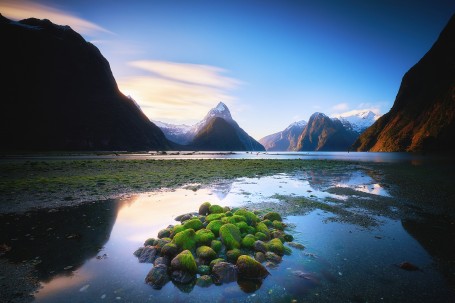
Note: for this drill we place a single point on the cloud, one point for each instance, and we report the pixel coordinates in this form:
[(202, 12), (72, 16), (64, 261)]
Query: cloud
[(177, 91), (375, 110), (340, 107), (18, 10)]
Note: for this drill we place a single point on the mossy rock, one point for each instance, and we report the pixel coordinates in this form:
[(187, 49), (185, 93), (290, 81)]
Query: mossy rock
[(273, 257), (164, 233), (161, 242), (260, 246), (195, 224), (278, 225), (259, 256), (276, 233), (288, 238), (251, 218), (287, 251), (185, 239), (235, 219), (228, 214), (185, 262), (233, 254), (213, 262), (176, 229), (276, 246), (216, 209), (204, 209), (243, 226), (150, 242), (248, 241), (268, 223), (213, 217), (260, 236), (251, 230), (261, 227), (272, 216), (215, 226), (170, 249), (296, 245), (203, 270), (216, 245), (206, 253), (230, 236), (204, 237), (249, 268), (204, 281)]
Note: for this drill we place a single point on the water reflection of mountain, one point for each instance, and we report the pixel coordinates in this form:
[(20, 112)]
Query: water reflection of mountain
[(221, 190), (58, 241)]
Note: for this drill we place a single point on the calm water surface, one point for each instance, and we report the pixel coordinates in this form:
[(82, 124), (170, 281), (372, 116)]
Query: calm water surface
[(85, 253)]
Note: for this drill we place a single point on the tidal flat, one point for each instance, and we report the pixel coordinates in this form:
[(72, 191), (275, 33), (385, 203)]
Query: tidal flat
[(70, 227)]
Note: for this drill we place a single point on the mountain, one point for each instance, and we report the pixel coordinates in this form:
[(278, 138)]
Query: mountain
[(218, 134), (185, 135), (422, 117), (285, 140), (325, 134), (58, 93), (359, 121)]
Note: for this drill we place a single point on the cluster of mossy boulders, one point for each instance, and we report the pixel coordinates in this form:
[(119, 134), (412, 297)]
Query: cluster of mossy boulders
[(216, 245)]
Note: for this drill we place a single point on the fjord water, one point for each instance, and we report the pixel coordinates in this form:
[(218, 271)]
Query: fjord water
[(357, 226)]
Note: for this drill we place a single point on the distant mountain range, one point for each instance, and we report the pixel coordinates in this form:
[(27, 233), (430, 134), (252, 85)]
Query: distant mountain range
[(203, 135), (58, 93), (321, 133), (422, 117)]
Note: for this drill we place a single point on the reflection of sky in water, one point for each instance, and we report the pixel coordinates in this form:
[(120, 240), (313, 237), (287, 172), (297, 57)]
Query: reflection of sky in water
[(364, 183)]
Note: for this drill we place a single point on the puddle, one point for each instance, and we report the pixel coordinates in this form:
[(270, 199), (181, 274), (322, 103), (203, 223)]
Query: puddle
[(85, 253)]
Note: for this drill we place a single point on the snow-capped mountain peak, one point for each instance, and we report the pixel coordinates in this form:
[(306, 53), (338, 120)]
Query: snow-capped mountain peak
[(359, 120), (221, 110)]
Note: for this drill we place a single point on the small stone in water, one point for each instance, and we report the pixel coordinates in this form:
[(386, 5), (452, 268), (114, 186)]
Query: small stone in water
[(84, 288), (103, 296)]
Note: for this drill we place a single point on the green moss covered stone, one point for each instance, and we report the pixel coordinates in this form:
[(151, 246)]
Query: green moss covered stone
[(176, 229), (149, 242), (170, 249), (230, 236), (215, 226), (195, 224), (248, 241), (278, 225), (213, 217), (216, 245), (235, 219), (261, 227), (268, 223), (260, 236), (276, 246), (233, 254), (213, 262), (185, 239), (249, 268), (184, 261), (251, 218), (242, 226), (204, 237), (206, 253), (204, 208), (272, 216), (216, 209)]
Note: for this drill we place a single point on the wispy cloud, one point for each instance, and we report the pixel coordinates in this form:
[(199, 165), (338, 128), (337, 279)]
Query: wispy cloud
[(178, 91), (17, 10), (340, 107)]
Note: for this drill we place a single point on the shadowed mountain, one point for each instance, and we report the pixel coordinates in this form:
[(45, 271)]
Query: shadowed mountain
[(423, 115), (58, 93), (218, 134), (325, 134), (285, 140)]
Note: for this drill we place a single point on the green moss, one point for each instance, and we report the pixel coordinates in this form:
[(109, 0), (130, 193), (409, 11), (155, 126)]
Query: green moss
[(226, 209), (185, 239), (176, 229), (204, 208), (164, 233), (216, 209), (213, 262), (213, 217), (251, 230), (184, 261), (149, 241), (278, 225), (235, 219), (272, 216), (195, 224), (249, 268), (215, 226), (287, 250), (229, 214), (203, 270), (216, 245), (276, 246), (159, 243), (242, 226), (251, 218), (268, 223), (261, 227), (260, 236), (233, 254), (206, 253), (204, 237), (288, 238), (248, 241), (170, 249), (230, 236)]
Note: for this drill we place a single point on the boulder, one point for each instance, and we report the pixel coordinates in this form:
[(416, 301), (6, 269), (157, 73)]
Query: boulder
[(273, 257), (272, 216), (147, 254), (157, 276), (261, 227), (204, 208), (216, 245), (164, 233), (276, 246), (204, 281), (185, 239), (184, 261), (224, 272), (195, 224), (214, 226), (230, 236), (206, 253), (260, 257), (260, 246), (233, 254), (251, 218), (170, 250), (216, 209), (248, 241), (249, 268), (204, 237)]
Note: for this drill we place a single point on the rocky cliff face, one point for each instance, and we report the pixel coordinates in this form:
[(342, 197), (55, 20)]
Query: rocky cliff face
[(217, 134), (285, 140), (58, 93), (423, 115)]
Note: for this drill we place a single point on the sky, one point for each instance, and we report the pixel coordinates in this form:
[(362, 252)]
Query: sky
[(271, 62)]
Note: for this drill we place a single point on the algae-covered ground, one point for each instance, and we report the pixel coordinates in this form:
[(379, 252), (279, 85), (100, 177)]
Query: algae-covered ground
[(26, 184)]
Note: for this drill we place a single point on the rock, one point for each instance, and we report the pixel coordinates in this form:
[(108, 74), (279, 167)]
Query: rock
[(204, 281), (204, 237), (260, 236), (271, 256), (296, 245), (277, 234), (268, 223), (213, 217), (288, 238), (185, 239), (278, 225), (224, 272), (170, 250), (149, 242), (248, 241), (176, 229), (216, 246), (259, 256), (271, 264), (213, 262), (182, 276), (184, 261), (276, 246), (251, 218), (236, 219), (248, 285), (233, 254), (230, 236), (203, 270), (260, 246), (195, 224), (162, 261), (216, 209), (214, 226), (184, 217), (161, 242), (408, 266), (138, 252), (206, 253), (243, 227), (261, 227), (248, 268), (147, 254), (272, 216), (164, 233), (157, 276), (287, 251), (204, 208)]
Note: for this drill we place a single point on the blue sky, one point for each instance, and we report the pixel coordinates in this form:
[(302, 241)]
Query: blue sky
[(271, 62)]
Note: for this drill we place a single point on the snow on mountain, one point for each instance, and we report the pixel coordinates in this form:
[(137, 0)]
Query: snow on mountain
[(358, 120), (175, 132)]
